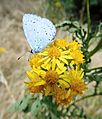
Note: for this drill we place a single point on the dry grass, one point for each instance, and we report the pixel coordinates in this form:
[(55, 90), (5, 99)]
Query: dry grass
[(12, 70)]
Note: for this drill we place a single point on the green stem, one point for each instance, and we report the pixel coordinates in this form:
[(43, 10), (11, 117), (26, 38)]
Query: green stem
[(97, 68), (52, 107), (88, 96), (88, 18), (97, 48)]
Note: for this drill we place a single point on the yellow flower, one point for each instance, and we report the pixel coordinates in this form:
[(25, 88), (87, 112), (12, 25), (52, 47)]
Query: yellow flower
[(77, 57), (36, 84), (47, 79), (51, 78), (63, 97), (55, 71), (61, 43), (33, 89), (75, 80), (74, 45), (75, 52), (54, 57), (53, 81), (2, 50), (34, 61)]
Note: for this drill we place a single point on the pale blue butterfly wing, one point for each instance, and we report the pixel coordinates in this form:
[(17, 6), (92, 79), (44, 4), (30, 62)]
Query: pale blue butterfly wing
[(38, 31)]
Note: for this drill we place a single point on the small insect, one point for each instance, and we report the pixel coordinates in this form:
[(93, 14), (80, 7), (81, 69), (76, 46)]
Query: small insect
[(39, 31)]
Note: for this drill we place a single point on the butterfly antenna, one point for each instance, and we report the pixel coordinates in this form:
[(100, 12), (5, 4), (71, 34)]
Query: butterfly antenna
[(23, 55)]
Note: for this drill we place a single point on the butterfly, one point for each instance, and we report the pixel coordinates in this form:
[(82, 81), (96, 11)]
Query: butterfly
[(39, 31)]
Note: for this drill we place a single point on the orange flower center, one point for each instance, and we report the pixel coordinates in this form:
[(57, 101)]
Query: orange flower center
[(36, 89), (54, 52), (51, 77), (78, 86), (61, 97)]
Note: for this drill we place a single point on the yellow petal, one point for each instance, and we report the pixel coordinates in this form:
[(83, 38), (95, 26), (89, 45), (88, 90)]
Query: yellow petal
[(62, 76), (45, 53), (42, 73), (43, 59), (70, 57), (60, 65), (59, 71), (30, 75), (47, 61), (67, 80), (36, 70), (72, 62), (66, 57), (65, 52), (63, 84), (68, 93), (42, 82), (63, 60), (48, 91), (53, 63), (48, 67)]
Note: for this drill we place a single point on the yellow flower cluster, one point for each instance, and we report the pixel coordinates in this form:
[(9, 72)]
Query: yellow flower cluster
[(56, 71)]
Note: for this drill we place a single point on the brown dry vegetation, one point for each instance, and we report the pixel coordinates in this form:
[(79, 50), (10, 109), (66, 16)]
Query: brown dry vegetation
[(12, 71)]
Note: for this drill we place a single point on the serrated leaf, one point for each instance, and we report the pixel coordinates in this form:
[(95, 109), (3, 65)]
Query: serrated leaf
[(91, 77), (25, 102), (35, 107), (14, 107), (98, 78), (72, 30), (76, 24)]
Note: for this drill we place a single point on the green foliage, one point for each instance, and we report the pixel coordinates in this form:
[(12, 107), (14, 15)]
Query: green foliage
[(20, 105), (36, 106), (14, 107), (51, 106)]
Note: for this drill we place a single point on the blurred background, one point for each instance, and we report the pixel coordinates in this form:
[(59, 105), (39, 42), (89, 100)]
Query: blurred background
[(12, 71)]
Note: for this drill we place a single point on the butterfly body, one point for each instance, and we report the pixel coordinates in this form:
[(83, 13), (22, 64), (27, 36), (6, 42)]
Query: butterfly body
[(38, 31)]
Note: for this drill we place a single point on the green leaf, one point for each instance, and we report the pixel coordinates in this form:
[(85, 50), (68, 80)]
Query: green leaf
[(63, 24), (25, 102), (14, 107), (72, 30), (53, 116), (51, 106), (76, 24), (98, 78), (21, 105), (35, 107)]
